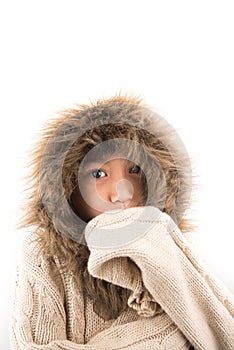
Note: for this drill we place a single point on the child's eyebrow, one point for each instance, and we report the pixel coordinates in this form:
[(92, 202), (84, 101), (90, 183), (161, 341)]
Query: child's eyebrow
[(94, 164), (98, 164)]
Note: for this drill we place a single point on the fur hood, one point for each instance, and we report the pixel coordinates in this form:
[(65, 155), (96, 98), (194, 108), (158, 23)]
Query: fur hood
[(57, 152), (66, 140)]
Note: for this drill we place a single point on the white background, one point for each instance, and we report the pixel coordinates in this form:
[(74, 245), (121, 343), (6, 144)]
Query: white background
[(178, 55)]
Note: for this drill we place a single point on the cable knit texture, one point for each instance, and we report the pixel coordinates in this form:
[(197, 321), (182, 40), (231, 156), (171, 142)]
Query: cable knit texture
[(174, 303)]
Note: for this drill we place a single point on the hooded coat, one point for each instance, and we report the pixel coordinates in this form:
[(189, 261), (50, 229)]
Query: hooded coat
[(64, 298)]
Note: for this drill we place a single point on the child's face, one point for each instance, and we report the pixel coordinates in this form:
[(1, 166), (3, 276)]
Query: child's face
[(116, 184)]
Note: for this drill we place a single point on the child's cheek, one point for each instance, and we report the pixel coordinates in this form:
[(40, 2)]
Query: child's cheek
[(95, 195)]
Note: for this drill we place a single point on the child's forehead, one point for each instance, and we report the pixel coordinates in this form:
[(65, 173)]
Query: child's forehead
[(107, 162), (103, 152)]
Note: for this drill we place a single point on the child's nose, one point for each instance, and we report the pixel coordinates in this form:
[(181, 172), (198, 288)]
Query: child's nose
[(122, 191)]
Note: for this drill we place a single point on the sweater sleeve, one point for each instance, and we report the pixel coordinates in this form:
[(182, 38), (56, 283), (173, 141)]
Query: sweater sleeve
[(170, 272)]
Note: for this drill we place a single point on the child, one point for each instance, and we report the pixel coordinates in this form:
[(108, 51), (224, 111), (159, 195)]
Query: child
[(106, 265)]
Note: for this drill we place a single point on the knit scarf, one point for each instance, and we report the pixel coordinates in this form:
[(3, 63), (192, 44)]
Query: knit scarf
[(143, 250)]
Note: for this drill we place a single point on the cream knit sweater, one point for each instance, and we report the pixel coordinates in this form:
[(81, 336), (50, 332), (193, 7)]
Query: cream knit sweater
[(174, 303)]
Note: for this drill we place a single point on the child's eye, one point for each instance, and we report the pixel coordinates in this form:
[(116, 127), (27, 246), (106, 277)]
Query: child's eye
[(135, 169), (97, 173)]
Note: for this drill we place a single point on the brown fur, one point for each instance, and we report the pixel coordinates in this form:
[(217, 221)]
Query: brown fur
[(120, 116)]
